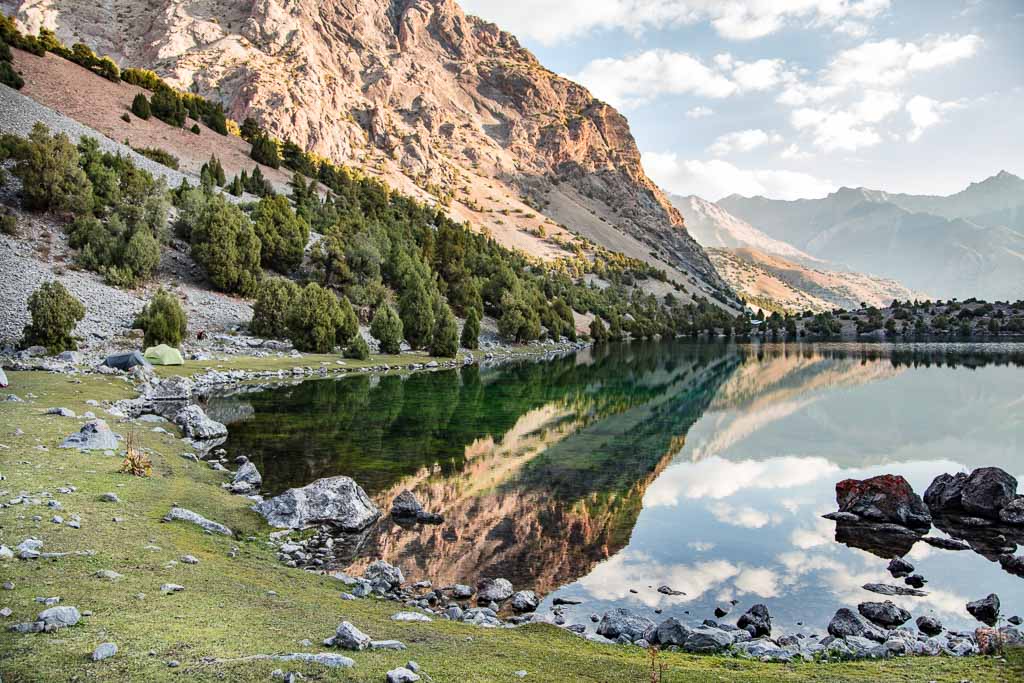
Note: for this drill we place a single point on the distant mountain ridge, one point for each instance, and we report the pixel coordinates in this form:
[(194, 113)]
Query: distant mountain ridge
[(966, 244)]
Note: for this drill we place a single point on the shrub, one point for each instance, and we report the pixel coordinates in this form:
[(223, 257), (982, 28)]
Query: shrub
[(282, 234), (106, 67), (471, 330), (163, 320), (348, 323), (50, 176), (55, 312), (444, 341), (519, 321), (416, 310), (140, 107), (387, 329), (265, 151), (168, 106), (195, 128), (276, 297), (8, 223), (158, 155), (598, 332), (314, 319), (225, 245), (357, 348), (10, 77), (126, 117)]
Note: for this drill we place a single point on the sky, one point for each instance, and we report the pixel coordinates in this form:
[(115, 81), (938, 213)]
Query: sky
[(795, 98)]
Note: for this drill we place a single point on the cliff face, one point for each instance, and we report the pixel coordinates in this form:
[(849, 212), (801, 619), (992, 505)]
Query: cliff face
[(412, 90)]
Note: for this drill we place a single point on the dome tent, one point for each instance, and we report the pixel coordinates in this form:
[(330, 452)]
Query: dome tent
[(126, 361), (164, 355)]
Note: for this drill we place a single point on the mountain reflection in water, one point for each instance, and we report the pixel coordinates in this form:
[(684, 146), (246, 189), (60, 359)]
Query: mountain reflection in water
[(704, 467)]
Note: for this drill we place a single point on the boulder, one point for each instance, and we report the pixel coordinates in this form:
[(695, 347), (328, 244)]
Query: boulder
[(59, 617), (885, 498), (672, 632), (524, 601), (930, 626), (888, 589), (247, 479), (707, 639), (621, 622), (899, 567), (185, 515), (197, 426), (493, 590), (847, 623), (95, 435), (885, 614), (103, 651), (175, 388), (405, 505), (986, 491), (985, 610), (349, 637), (401, 675), (1013, 511), (337, 501), (63, 412), (943, 495), (384, 575), (757, 621), (1014, 564)]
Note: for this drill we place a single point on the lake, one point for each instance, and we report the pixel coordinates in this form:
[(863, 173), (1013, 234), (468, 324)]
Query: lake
[(603, 475)]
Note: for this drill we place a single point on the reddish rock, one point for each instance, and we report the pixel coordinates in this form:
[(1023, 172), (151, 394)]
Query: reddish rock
[(886, 498)]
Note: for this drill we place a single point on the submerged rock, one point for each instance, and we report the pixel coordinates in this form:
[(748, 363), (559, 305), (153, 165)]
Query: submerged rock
[(982, 493), (338, 501)]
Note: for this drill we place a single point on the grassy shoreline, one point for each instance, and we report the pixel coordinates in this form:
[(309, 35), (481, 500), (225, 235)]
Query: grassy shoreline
[(227, 611)]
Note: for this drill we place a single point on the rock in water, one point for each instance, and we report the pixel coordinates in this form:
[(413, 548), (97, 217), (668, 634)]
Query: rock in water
[(524, 601), (1013, 512), (247, 479), (621, 622), (197, 426), (757, 621), (899, 567), (338, 501), (985, 610), (95, 435), (406, 505), (986, 491), (493, 590), (186, 515), (930, 626), (848, 623), (884, 614), (943, 495), (885, 498)]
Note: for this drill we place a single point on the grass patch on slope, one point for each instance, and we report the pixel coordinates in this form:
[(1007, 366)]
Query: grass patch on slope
[(227, 610)]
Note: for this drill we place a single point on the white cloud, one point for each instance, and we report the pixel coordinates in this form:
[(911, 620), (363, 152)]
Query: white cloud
[(715, 179), (550, 22), (699, 112), (848, 129), (794, 153), (642, 77), (763, 74), (743, 141), (888, 62), (925, 112), (743, 516)]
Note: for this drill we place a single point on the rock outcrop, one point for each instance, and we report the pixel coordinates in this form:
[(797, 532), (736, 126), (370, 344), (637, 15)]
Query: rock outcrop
[(337, 501), (885, 498)]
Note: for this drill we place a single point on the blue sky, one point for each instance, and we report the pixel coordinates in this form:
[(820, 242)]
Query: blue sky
[(795, 98)]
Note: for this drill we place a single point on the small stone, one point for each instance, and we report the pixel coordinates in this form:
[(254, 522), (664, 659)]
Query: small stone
[(173, 664), (108, 575), (104, 651), (189, 559), (401, 675), (171, 588), (110, 498)]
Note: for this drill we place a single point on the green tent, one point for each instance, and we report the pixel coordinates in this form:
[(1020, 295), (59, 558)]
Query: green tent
[(164, 355)]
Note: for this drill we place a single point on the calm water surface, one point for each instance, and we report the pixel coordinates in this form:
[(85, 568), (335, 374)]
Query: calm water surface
[(702, 467)]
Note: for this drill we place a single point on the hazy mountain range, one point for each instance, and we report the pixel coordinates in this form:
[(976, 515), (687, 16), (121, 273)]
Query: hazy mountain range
[(967, 244)]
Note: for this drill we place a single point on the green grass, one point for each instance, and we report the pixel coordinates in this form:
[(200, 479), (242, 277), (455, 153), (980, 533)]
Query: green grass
[(226, 611)]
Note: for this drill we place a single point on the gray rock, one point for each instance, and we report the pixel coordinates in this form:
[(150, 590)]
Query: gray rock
[(665, 590), (197, 426), (707, 639), (338, 501), (671, 632), (104, 651), (888, 589), (885, 498), (247, 479), (59, 617), (930, 626), (110, 498), (384, 574), (524, 601), (63, 412), (401, 675), (73, 357), (453, 612), (175, 388), (95, 435), (410, 616), (764, 650), (171, 588), (985, 610), (986, 491), (405, 505), (387, 645), (189, 559), (493, 590), (185, 515), (885, 614), (899, 567), (621, 622), (108, 575), (349, 637), (848, 623), (461, 591), (757, 621), (1013, 511)]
